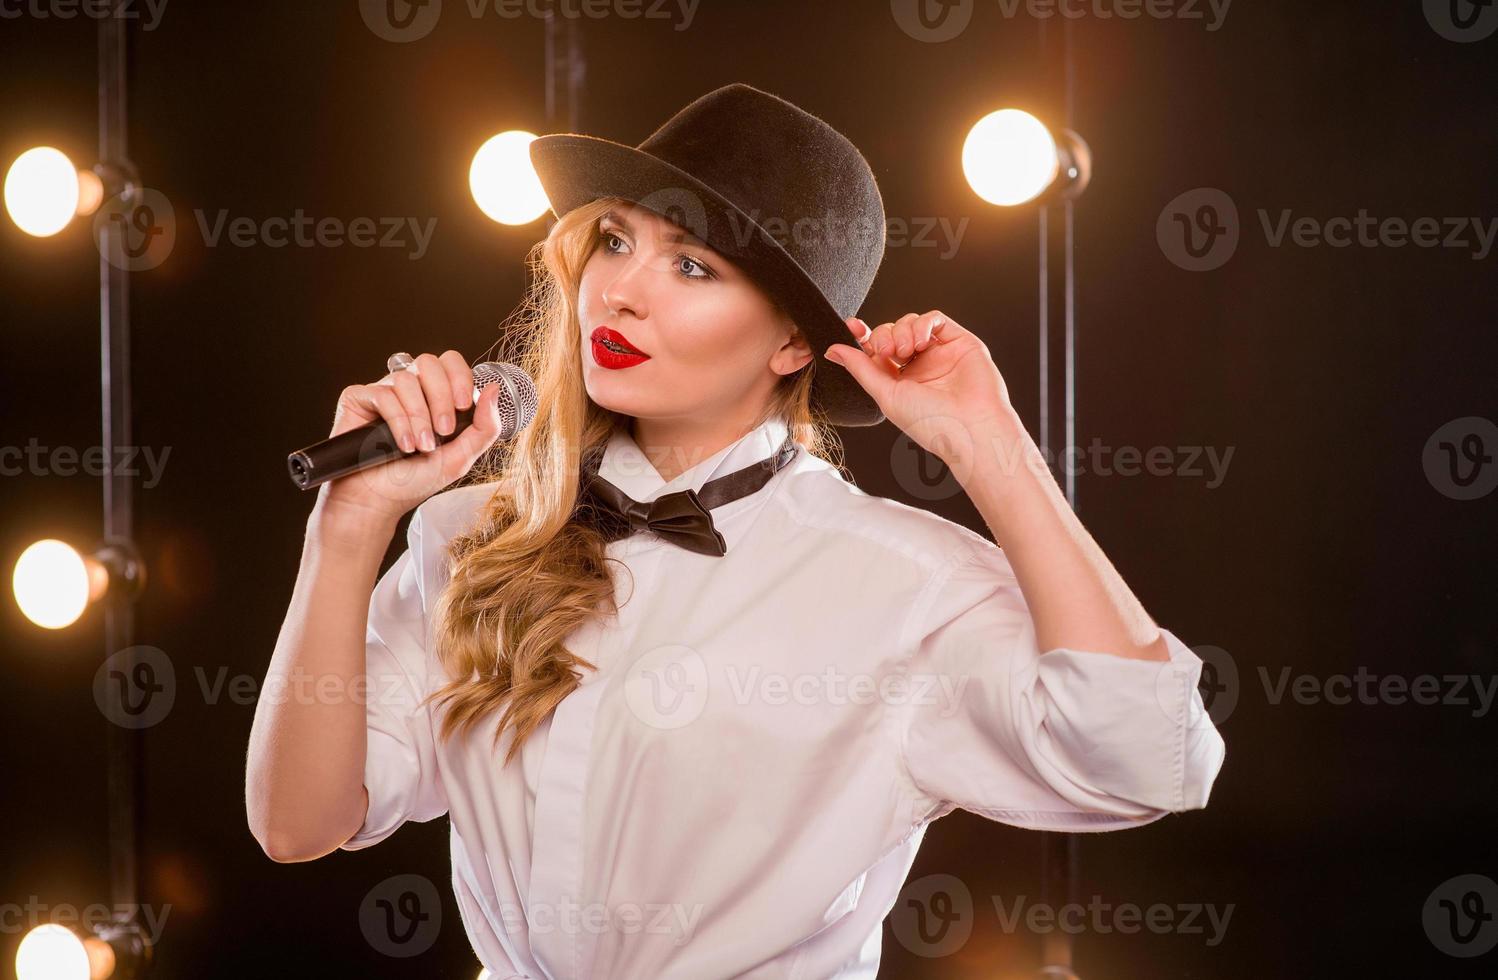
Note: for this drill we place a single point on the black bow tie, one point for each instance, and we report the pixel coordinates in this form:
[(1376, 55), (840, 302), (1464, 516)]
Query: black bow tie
[(682, 517)]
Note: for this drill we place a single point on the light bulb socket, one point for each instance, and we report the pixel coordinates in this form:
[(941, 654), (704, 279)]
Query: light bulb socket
[(126, 953), (116, 570), (116, 178), (1073, 168)]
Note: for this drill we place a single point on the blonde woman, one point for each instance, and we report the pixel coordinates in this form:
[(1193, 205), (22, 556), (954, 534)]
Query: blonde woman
[(688, 696)]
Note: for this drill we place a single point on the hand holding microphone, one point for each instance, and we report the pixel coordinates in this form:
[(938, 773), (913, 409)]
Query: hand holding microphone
[(415, 431)]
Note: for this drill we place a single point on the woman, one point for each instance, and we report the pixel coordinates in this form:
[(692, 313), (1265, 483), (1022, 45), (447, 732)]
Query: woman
[(689, 696)]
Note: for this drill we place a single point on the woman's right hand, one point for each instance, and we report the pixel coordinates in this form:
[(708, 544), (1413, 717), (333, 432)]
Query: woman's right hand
[(420, 404)]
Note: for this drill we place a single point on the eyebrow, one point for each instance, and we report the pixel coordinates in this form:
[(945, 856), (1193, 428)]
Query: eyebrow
[(670, 234)]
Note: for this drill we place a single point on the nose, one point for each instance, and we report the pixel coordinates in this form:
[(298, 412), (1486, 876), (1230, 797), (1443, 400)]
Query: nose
[(629, 288)]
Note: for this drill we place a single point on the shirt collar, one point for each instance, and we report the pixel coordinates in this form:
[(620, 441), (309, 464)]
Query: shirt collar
[(627, 467)]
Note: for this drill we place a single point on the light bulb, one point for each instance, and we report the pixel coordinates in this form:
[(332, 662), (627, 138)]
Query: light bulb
[(52, 952), (53, 583), (43, 191), (503, 181), (1009, 157)]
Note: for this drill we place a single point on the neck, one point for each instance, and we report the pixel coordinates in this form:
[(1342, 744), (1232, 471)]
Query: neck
[(675, 445)]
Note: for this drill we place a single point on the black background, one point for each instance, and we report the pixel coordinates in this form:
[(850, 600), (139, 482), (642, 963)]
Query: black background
[(1326, 548)]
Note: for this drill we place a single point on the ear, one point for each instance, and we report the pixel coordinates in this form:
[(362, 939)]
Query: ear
[(794, 352)]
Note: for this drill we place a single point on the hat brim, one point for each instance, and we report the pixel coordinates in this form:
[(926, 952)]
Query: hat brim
[(575, 169)]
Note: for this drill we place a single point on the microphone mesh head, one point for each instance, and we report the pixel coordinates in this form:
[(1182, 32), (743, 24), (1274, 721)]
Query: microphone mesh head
[(517, 394)]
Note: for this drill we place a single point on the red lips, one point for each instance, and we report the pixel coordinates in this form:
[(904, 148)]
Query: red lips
[(615, 337), (612, 350)]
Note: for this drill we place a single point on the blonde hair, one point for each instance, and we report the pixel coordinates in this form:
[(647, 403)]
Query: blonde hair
[(529, 572)]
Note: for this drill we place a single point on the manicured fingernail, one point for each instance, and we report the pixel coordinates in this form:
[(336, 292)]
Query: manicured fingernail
[(445, 424), (427, 442)]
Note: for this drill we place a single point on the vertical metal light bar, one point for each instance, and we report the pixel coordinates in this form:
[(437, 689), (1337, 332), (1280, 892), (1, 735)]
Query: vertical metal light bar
[(565, 70), (1059, 857), (1070, 289), (123, 744)]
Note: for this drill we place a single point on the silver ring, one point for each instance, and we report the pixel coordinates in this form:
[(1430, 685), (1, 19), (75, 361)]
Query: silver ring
[(399, 362)]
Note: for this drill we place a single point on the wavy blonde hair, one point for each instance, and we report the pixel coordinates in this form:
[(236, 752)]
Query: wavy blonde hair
[(529, 571)]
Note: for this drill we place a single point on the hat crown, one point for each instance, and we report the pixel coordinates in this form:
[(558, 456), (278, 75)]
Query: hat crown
[(794, 176)]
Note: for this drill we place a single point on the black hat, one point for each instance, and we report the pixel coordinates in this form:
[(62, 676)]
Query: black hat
[(782, 194)]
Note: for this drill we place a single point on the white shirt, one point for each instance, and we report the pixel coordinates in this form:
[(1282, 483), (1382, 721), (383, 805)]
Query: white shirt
[(739, 790)]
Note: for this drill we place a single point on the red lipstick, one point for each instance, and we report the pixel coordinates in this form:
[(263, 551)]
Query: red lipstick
[(611, 349)]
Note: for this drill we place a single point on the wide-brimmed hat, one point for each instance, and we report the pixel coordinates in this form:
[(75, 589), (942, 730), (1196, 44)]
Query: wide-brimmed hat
[(782, 194)]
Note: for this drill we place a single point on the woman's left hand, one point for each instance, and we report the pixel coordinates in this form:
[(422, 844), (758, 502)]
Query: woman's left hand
[(927, 373)]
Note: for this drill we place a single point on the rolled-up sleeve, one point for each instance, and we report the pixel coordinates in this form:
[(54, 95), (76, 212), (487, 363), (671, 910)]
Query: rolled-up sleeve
[(1069, 740), (400, 769)]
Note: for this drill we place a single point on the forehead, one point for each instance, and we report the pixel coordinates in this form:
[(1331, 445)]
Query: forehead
[(643, 221)]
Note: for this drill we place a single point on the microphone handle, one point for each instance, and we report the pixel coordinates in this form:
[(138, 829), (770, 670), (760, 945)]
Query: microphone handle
[(371, 444)]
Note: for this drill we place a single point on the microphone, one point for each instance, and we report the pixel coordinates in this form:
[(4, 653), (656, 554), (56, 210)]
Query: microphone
[(373, 444)]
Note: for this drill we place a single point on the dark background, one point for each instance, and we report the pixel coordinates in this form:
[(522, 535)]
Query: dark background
[(1326, 371)]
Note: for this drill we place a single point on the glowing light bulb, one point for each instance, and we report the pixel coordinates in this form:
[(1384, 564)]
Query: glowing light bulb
[(52, 952), (1009, 157), (43, 191), (503, 182), (53, 583)]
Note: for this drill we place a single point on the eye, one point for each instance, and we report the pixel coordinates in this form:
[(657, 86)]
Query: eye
[(706, 272), (603, 236)]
